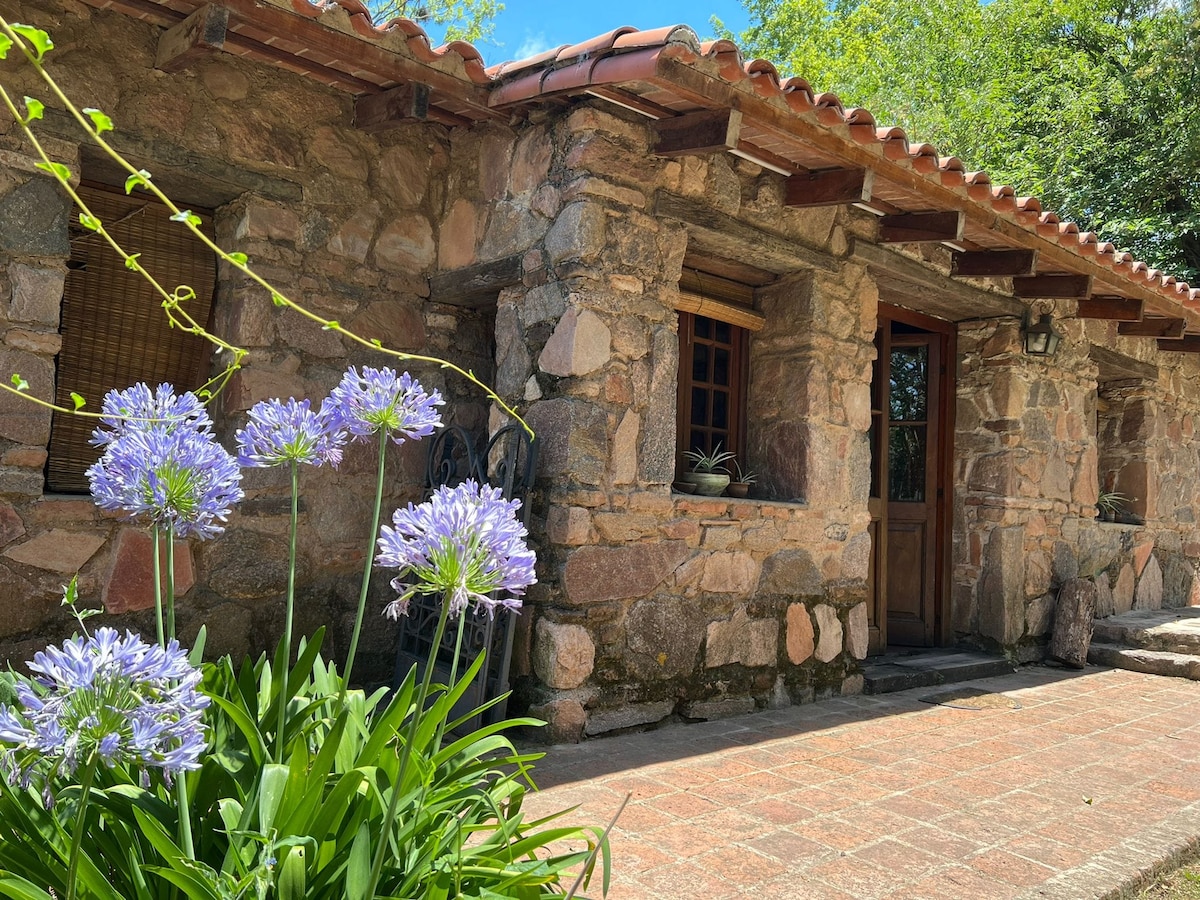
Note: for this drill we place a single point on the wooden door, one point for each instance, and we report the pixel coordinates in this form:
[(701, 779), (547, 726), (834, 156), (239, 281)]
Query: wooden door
[(910, 452)]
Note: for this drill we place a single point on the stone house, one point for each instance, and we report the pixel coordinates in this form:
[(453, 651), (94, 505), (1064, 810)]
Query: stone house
[(648, 244)]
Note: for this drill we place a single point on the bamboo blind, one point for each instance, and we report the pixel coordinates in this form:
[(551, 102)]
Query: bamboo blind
[(114, 330)]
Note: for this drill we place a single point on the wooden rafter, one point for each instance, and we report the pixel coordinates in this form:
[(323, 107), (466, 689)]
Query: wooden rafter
[(1053, 287), (993, 263), (913, 228), (694, 134), (1119, 309), (1189, 343), (829, 188), (1159, 328), (199, 35)]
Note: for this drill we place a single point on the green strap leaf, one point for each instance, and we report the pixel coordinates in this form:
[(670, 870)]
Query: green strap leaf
[(100, 121), (239, 258), (56, 169), (38, 39), (358, 870), (140, 179), (33, 109)]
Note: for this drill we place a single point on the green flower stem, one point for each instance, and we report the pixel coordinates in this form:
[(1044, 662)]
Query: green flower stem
[(170, 581), (85, 790), (453, 682), (158, 600), (398, 786), (366, 576), (289, 614), (185, 816)]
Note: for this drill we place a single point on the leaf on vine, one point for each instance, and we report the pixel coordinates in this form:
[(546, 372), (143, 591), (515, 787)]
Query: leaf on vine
[(19, 383), (58, 170), (78, 400), (239, 258), (204, 394), (377, 343), (39, 39), (33, 109), (71, 592), (132, 263), (187, 216), (5, 43), (277, 299), (139, 179), (91, 223), (331, 325), (100, 121)]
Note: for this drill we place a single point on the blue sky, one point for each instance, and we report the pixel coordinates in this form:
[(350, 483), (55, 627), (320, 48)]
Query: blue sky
[(527, 27)]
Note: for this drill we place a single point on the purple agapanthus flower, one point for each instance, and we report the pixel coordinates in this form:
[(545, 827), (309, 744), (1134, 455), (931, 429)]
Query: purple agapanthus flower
[(178, 477), (138, 408), (465, 543), (378, 399), (279, 432), (105, 698)]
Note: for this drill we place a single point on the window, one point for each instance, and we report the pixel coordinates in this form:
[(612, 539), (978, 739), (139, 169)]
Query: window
[(1125, 434), (712, 385), (114, 330)]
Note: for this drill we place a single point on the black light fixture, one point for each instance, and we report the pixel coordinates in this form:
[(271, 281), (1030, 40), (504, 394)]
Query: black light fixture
[(1042, 339)]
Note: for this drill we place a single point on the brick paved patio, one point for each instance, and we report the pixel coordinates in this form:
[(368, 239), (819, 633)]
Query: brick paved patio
[(1092, 783)]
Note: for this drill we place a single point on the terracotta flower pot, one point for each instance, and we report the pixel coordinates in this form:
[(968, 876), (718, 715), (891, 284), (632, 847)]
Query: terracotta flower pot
[(738, 489)]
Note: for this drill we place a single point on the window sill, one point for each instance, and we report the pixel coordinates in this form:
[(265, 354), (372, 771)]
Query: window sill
[(679, 496)]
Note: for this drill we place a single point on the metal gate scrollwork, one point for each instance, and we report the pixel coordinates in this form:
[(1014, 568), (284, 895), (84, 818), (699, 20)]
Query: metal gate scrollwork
[(507, 460)]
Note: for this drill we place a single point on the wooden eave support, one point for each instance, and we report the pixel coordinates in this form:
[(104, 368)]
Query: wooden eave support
[(726, 236), (696, 134), (1116, 309), (387, 109), (1053, 287), (199, 35), (831, 187), (1158, 328), (476, 285), (918, 228), (683, 78), (993, 263), (1189, 343)]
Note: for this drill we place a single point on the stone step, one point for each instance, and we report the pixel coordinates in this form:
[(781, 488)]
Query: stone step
[(1168, 630), (1149, 662), (895, 672)]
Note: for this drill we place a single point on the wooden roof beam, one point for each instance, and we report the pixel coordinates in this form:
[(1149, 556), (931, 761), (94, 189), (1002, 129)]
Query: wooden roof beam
[(1189, 343), (1053, 287), (696, 134), (832, 187), (387, 109), (199, 35), (993, 263), (917, 228), (1116, 309), (1158, 328)]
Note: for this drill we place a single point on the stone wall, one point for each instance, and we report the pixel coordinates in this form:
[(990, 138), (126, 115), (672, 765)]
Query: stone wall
[(346, 223), (1037, 439)]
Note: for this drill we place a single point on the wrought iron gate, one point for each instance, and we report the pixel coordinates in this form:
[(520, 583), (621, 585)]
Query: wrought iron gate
[(507, 460)]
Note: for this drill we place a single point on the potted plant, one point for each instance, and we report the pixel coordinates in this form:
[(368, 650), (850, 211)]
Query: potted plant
[(739, 486), (708, 471), (1110, 504)]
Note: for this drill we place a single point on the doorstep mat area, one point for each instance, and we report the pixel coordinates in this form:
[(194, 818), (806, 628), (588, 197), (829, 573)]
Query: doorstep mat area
[(971, 698)]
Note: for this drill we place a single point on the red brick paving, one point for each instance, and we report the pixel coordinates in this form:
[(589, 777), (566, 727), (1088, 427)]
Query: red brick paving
[(882, 798)]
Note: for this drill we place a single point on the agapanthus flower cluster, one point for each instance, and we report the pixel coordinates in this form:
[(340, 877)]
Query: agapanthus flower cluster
[(280, 432), (138, 408), (104, 699), (379, 399), (164, 463), (465, 543)]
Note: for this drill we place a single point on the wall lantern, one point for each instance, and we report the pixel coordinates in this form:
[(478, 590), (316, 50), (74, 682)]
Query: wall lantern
[(1042, 339)]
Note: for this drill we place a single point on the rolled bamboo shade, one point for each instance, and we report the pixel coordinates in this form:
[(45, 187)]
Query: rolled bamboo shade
[(114, 330), (719, 309)]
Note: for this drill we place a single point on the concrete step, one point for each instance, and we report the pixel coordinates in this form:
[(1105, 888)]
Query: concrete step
[(1149, 662), (899, 672), (1167, 630)]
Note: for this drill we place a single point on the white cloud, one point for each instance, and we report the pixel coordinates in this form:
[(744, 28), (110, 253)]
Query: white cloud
[(532, 45)]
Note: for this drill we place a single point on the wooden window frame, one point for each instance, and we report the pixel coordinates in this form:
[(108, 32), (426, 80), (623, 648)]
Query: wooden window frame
[(739, 346)]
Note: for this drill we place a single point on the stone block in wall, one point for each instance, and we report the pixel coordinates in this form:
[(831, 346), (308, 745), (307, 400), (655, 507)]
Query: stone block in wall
[(530, 163), (792, 573), (663, 635), (396, 323), (404, 174), (568, 525), (577, 233), (729, 573), (1179, 581), (564, 721), (20, 420), (57, 550), (800, 635), (246, 565), (1123, 590), (563, 655), (580, 343), (353, 238), (574, 436), (857, 632), (624, 449), (993, 474), (458, 235), (11, 525), (1039, 615), (658, 440), (33, 220), (595, 574), (129, 585), (630, 715), (22, 605), (1104, 597), (42, 343), (724, 708), (405, 245), (268, 222), (1074, 615), (1002, 585), (36, 294), (545, 303), (829, 632), (1149, 594), (741, 639)]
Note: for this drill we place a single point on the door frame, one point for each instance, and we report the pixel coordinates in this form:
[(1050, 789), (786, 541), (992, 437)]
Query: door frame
[(944, 502)]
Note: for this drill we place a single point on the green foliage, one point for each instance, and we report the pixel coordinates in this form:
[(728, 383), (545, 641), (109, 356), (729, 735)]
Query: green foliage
[(1092, 106), (457, 20)]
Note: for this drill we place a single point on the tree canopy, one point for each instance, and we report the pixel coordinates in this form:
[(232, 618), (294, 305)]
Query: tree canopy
[(450, 20), (1091, 105)]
